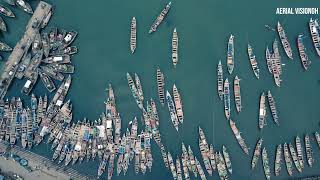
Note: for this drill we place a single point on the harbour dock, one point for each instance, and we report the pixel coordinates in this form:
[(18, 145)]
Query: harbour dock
[(40, 17), (44, 165)]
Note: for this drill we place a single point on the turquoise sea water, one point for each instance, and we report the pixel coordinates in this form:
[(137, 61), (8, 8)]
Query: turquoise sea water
[(204, 28)]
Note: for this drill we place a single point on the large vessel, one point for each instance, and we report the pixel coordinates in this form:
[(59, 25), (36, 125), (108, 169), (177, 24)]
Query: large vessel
[(287, 159), (300, 152), (302, 52), (227, 160), (284, 40), (133, 35), (226, 97), (278, 160), (24, 6), (220, 80), (253, 62), (262, 111), (265, 162), (175, 43), (6, 11), (230, 54), (273, 108), (256, 154), (309, 151), (295, 157), (315, 34), (160, 18), (178, 103), (172, 110), (237, 94), (160, 83), (239, 138)]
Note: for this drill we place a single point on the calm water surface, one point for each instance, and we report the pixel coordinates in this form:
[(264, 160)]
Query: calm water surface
[(204, 28)]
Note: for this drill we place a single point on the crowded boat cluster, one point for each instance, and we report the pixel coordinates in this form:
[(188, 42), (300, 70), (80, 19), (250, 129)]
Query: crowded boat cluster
[(291, 154)]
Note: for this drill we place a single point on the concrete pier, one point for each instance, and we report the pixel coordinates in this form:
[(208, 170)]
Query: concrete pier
[(39, 18)]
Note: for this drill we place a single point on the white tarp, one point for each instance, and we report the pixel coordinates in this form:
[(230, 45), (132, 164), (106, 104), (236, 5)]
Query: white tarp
[(101, 131), (27, 84)]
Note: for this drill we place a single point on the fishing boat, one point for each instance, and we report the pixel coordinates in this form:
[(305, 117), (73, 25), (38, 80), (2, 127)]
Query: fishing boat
[(295, 157), (70, 50), (204, 149), (4, 47), (28, 86), (61, 68), (315, 34), (278, 160), (230, 54), (45, 44), (172, 166), (222, 169), (276, 58), (253, 62), (10, 2), (3, 26), (36, 44), (284, 40), (23, 65), (317, 136), (178, 167), (287, 159), (268, 59), (160, 18), (302, 52), (239, 138), (185, 162), (309, 150), (50, 72), (265, 162), (237, 94), (47, 81), (220, 80), (256, 154), (160, 83), (227, 159), (22, 4), (226, 97), (299, 152), (262, 111), (6, 11), (200, 170), (212, 158), (273, 108), (175, 41), (68, 39), (172, 110), (134, 91), (178, 103), (57, 59), (133, 35), (139, 86), (192, 162)]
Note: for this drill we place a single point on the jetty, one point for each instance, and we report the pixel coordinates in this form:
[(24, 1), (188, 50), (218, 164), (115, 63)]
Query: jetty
[(43, 165), (39, 19)]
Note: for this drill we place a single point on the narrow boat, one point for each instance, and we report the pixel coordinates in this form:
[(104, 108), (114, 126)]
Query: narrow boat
[(134, 91), (160, 83), (160, 18), (276, 57), (185, 162), (253, 62), (133, 35), (300, 152), (212, 158), (174, 43), (3, 26), (272, 105), (200, 170), (178, 103), (265, 162), (227, 159), (22, 4), (278, 160), (172, 110), (284, 40), (10, 2), (192, 162), (295, 157), (220, 80), (302, 52), (256, 154), (237, 94), (287, 159), (178, 167), (230, 54), (204, 149), (309, 151), (53, 37), (317, 136), (222, 169), (315, 34), (239, 138), (6, 11), (139, 86), (47, 81), (172, 166), (268, 59), (226, 97), (262, 111), (5, 47)]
